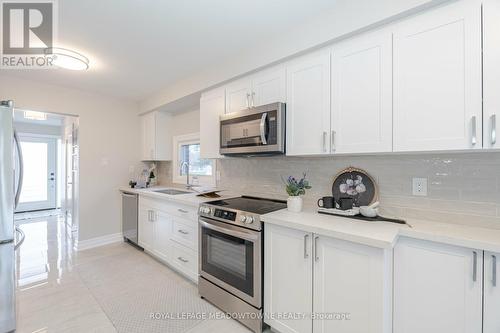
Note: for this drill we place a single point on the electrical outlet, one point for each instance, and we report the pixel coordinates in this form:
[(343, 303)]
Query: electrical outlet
[(420, 187)]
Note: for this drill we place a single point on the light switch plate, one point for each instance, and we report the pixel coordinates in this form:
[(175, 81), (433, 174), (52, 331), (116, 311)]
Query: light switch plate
[(420, 187)]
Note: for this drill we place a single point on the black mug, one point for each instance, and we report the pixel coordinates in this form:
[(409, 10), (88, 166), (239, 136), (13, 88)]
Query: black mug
[(326, 202), (346, 203)]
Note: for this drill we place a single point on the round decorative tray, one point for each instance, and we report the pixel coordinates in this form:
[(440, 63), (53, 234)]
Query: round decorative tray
[(356, 184)]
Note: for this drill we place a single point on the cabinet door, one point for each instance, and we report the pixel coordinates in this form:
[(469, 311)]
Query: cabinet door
[(238, 95), (437, 80), (437, 288), (491, 72), (362, 94), (212, 106), (269, 86), (352, 280), (146, 228), (148, 129), (308, 104), (287, 278), (162, 233), (491, 293)]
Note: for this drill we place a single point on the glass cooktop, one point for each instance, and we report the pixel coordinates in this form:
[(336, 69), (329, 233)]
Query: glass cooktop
[(250, 204)]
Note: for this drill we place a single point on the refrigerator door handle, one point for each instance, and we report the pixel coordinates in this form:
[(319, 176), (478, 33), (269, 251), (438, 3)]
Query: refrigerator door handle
[(21, 239), (21, 169)]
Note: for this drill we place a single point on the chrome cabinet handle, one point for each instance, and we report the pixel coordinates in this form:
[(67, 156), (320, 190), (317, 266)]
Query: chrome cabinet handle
[(184, 232), (474, 266), (473, 131), (21, 240), (494, 270), (248, 101), (306, 255), (182, 259), (263, 128), (253, 98), (21, 170), (333, 140), (324, 142), (182, 211), (493, 120), (316, 257)]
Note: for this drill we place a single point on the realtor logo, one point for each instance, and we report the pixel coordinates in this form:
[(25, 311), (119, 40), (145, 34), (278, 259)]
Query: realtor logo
[(28, 30)]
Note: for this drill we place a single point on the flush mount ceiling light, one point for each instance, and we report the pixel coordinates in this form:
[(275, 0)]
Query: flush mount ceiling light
[(67, 59), (35, 115)]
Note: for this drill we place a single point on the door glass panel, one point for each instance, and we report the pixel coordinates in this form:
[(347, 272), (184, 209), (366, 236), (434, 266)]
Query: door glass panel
[(229, 259), (35, 156)]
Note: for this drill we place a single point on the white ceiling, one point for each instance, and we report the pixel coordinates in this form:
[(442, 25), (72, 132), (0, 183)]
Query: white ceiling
[(136, 48)]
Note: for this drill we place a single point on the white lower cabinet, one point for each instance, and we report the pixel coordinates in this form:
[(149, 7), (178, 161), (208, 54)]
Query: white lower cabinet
[(146, 232), (346, 286), (353, 282), (491, 304), (287, 278), (437, 288), (169, 232)]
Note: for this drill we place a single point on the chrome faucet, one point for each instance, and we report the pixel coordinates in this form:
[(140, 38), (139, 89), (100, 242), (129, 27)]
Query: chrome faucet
[(188, 185)]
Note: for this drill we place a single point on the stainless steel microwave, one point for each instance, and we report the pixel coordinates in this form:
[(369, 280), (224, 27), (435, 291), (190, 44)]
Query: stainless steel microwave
[(260, 130)]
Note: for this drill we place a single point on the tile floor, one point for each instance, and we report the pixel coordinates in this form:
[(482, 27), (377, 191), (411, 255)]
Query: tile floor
[(61, 290)]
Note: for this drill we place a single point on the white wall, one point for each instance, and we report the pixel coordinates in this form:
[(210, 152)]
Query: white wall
[(186, 122), (109, 144), (345, 18)]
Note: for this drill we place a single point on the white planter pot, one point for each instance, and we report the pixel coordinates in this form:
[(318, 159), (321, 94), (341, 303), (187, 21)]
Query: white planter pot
[(294, 204)]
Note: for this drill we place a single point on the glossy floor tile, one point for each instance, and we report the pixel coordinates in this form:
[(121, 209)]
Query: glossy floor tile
[(114, 288)]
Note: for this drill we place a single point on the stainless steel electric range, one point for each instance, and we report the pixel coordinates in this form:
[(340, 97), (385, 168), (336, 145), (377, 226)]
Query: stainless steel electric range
[(231, 255)]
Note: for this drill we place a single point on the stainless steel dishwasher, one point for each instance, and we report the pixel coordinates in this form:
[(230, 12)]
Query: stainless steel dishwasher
[(130, 217)]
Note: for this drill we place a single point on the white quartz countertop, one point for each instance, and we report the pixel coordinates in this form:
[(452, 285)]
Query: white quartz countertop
[(191, 198), (385, 234), (377, 234)]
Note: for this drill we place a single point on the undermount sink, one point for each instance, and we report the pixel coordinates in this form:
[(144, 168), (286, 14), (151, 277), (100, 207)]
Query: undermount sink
[(171, 191)]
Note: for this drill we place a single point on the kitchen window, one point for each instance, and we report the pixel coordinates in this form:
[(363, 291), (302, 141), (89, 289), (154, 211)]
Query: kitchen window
[(187, 154)]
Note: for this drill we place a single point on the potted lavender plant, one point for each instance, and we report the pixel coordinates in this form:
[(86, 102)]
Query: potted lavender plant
[(295, 188)]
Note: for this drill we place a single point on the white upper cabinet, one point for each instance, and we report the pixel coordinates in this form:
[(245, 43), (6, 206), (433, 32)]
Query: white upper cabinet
[(264, 87), (212, 106), (491, 293), (491, 72), (437, 288), (353, 279), (269, 86), (308, 104), (437, 80), (156, 136), (362, 94), (239, 95)]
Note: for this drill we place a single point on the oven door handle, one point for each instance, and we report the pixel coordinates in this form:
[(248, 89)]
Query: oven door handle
[(240, 234)]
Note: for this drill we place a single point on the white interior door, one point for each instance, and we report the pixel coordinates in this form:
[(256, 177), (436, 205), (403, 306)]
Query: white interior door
[(40, 165)]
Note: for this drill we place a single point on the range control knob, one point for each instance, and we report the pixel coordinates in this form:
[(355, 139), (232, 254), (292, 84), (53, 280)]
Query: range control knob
[(249, 220), (205, 210), (243, 219)]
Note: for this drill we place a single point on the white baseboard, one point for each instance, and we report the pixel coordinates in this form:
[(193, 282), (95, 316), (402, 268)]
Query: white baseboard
[(99, 241)]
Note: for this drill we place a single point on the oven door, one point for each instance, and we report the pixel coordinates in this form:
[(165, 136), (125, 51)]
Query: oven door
[(230, 257)]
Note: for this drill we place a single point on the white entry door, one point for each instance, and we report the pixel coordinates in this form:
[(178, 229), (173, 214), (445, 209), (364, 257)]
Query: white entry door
[(39, 183)]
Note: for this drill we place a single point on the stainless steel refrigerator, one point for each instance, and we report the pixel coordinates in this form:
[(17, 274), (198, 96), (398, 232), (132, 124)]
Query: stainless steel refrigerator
[(11, 237)]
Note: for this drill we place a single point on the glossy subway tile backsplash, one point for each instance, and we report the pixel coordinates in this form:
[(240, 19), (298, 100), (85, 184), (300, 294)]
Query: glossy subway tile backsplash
[(462, 187)]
